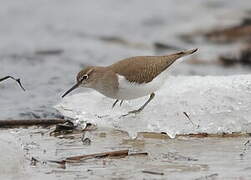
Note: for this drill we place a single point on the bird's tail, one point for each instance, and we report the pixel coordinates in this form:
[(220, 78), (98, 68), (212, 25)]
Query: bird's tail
[(184, 53), (170, 59)]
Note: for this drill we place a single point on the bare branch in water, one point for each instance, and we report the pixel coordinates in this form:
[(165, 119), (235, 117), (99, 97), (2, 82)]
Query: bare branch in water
[(30, 122), (17, 80)]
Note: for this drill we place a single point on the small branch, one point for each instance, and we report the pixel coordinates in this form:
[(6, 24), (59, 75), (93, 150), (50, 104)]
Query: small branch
[(152, 172), (98, 155), (31, 122), (77, 159), (139, 154), (17, 80), (190, 119)]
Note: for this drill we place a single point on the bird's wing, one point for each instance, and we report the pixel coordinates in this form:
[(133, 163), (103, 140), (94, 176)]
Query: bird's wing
[(143, 69)]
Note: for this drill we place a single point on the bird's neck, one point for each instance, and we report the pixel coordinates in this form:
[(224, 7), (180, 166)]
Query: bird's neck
[(106, 81)]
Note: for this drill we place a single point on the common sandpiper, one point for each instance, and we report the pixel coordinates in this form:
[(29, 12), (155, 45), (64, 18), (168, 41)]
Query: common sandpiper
[(129, 78)]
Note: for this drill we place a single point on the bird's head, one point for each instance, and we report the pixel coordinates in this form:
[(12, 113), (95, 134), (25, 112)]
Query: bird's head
[(85, 78)]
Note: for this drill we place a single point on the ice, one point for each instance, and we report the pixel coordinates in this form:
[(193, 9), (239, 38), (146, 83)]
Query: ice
[(12, 157), (214, 104)]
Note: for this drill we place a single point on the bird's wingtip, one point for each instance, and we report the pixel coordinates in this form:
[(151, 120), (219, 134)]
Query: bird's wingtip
[(193, 50)]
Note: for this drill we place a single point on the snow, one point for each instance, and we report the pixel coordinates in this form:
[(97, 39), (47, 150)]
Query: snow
[(215, 104)]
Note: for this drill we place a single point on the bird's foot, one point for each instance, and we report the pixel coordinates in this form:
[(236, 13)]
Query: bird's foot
[(133, 112), (142, 107)]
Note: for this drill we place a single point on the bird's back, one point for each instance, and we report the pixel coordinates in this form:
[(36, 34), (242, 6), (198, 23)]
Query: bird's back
[(143, 69)]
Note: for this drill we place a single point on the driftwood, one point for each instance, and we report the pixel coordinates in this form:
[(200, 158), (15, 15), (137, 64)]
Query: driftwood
[(98, 155), (30, 122), (77, 159), (17, 80)]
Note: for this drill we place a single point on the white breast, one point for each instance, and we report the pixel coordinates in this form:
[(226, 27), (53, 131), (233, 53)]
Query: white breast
[(128, 90)]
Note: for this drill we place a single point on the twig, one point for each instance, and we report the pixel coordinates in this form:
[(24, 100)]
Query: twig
[(17, 80), (190, 119), (98, 155), (30, 122), (77, 159), (152, 172), (139, 154)]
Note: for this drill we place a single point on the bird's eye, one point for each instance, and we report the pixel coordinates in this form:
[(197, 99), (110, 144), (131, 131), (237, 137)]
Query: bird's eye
[(85, 77)]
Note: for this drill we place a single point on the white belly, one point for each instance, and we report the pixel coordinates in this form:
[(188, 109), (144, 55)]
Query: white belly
[(128, 90)]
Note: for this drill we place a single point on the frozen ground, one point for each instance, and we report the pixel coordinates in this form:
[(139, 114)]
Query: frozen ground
[(215, 104), (46, 42), (178, 159)]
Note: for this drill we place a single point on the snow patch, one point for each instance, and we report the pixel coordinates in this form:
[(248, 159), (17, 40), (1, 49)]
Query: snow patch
[(214, 104)]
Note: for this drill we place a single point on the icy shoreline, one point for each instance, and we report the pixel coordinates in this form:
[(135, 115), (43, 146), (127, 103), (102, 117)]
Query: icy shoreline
[(215, 104)]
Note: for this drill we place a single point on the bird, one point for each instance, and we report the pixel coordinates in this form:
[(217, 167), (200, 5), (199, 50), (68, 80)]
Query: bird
[(129, 78)]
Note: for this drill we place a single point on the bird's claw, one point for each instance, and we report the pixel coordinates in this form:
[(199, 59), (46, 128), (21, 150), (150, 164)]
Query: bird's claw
[(132, 112)]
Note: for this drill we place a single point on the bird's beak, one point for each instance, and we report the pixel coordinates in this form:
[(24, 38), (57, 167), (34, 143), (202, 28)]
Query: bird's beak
[(72, 88)]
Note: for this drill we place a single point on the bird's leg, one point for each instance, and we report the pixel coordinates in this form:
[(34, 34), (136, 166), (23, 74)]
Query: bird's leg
[(121, 102), (113, 105), (142, 107)]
